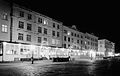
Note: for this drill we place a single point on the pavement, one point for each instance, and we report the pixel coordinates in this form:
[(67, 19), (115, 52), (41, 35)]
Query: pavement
[(40, 63)]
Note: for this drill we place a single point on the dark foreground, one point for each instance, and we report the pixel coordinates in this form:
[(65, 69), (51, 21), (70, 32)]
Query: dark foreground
[(49, 68)]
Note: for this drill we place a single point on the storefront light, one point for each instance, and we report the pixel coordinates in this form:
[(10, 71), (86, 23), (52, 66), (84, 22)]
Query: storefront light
[(4, 43)]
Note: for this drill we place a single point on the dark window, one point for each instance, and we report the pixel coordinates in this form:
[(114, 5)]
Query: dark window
[(39, 39), (68, 45), (65, 38), (81, 36), (64, 45), (65, 31), (54, 25), (96, 40), (85, 47), (96, 44), (53, 33), (39, 29), (68, 39), (77, 35), (81, 42), (45, 31), (78, 41), (58, 26), (28, 37), (21, 14), (20, 36), (29, 16), (29, 26), (88, 43), (72, 40), (58, 34), (21, 50), (40, 20), (45, 39), (21, 24), (71, 33), (91, 43)]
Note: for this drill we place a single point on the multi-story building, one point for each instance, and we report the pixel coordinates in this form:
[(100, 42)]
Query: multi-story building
[(26, 31), (5, 21), (84, 45), (72, 39), (91, 42), (106, 47), (33, 28)]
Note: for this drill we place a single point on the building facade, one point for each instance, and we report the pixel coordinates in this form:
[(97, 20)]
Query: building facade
[(106, 47), (72, 39), (30, 27), (91, 42), (5, 21), (28, 32)]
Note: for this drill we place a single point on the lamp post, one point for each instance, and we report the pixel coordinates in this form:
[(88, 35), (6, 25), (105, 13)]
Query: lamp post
[(32, 57)]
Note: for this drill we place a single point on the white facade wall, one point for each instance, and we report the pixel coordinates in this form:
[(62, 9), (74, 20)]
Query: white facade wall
[(34, 32), (4, 11)]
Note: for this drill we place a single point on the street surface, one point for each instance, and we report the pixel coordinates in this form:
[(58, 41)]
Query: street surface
[(49, 68)]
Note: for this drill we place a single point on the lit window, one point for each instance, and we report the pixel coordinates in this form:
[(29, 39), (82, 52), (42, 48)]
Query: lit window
[(53, 41), (68, 33), (45, 22), (29, 26), (20, 36), (4, 28), (28, 37), (21, 24)]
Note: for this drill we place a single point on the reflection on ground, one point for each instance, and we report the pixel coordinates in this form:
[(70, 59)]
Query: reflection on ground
[(75, 68)]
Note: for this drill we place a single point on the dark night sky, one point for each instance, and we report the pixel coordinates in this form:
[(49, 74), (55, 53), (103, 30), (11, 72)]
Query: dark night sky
[(100, 18)]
